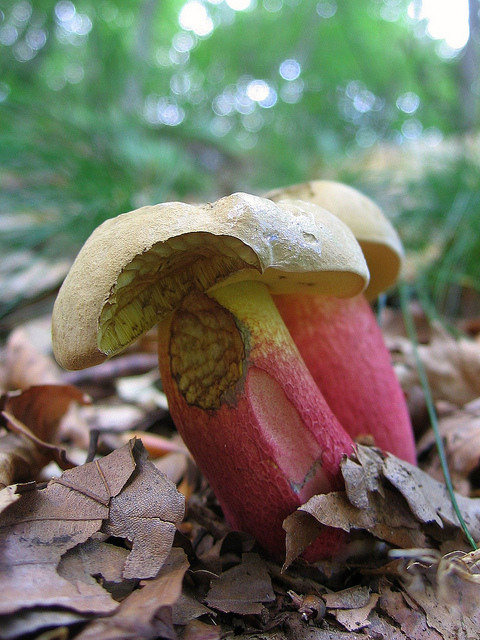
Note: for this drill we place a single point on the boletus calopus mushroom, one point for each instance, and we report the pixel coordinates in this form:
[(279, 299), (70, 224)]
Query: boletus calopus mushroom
[(339, 339), (238, 390)]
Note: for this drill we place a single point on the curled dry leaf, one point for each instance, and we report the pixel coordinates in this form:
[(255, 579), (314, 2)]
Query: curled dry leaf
[(400, 504), (33, 418), (446, 613), (121, 494), (452, 365), (147, 612), (242, 589), (460, 433), (188, 608), (146, 512), (352, 607), (25, 365), (458, 578), (41, 407), (8, 496), (405, 614), (197, 630)]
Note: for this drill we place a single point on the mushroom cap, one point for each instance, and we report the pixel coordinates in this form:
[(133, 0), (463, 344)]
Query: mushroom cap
[(136, 268), (379, 241)]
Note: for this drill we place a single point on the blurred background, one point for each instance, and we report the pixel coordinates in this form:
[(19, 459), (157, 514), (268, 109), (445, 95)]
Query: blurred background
[(109, 105)]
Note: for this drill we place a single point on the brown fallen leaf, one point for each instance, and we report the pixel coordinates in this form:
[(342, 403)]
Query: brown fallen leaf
[(25, 365), (20, 459), (458, 578), (197, 630), (354, 614), (188, 608), (430, 503), (146, 512), (121, 494), (97, 561), (34, 533), (452, 365), (41, 407), (242, 589), (147, 612), (33, 418), (399, 504), (446, 617), (405, 613), (351, 598), (460, 433)]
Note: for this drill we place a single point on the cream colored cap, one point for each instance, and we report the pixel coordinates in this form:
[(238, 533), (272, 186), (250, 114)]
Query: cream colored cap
[(136, 268), (379, 241)]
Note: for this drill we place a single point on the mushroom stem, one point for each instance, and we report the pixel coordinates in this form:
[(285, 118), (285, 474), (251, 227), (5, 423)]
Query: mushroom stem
[(343, 348), (249, 410)]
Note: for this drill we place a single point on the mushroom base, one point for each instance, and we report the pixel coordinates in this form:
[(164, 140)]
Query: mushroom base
[(266, 440)]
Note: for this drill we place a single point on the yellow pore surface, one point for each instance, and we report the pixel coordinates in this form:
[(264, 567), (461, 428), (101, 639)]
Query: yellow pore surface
[(215, 337)]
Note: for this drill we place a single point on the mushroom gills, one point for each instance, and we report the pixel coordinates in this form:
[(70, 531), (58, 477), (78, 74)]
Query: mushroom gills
[(154, 283)]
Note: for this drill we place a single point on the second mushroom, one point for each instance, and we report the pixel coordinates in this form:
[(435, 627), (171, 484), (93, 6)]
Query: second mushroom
[(340, 340)]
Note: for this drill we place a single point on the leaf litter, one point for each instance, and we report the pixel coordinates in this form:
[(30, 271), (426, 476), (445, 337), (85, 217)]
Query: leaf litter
[(103, 550)]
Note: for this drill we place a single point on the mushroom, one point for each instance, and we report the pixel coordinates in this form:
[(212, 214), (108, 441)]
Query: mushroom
[(340, 340), (238, 390)]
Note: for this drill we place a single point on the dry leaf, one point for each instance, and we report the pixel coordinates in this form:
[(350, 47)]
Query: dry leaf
[(147, 612), (356, 618), (20, 459), (429, 500), (352, 598), (34, 533), (97, 561), (146, 512), (447, 620), (460, 433), (405, 613), (417, 509), (197, 630), (458, 578), (122, 494), (25, 366), (452, 365), (33, 621), (187, 608), (41, 407), (243, 588), (33, 417)]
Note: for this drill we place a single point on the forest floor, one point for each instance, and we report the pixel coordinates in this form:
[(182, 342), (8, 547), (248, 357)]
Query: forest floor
[(84, 554)]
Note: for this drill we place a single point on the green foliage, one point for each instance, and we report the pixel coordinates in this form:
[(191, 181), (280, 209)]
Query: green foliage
[(444, 214), (110, 105)]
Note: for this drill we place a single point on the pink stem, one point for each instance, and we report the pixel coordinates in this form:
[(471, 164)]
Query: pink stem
[(343, 348), (272, 442)]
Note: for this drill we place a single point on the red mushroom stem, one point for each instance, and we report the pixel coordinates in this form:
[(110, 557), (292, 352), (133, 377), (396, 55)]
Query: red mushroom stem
[(343, 348), (249, 411)]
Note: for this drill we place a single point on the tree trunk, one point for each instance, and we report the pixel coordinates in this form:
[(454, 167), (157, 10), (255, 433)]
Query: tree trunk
[(469, 69)]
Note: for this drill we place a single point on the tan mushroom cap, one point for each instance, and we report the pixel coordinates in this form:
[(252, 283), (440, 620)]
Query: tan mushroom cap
[(136, 268), (379, 241)]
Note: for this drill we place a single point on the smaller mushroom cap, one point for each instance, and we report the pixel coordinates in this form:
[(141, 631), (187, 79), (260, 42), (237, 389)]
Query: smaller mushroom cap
[(136, 268), (379, 241)]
